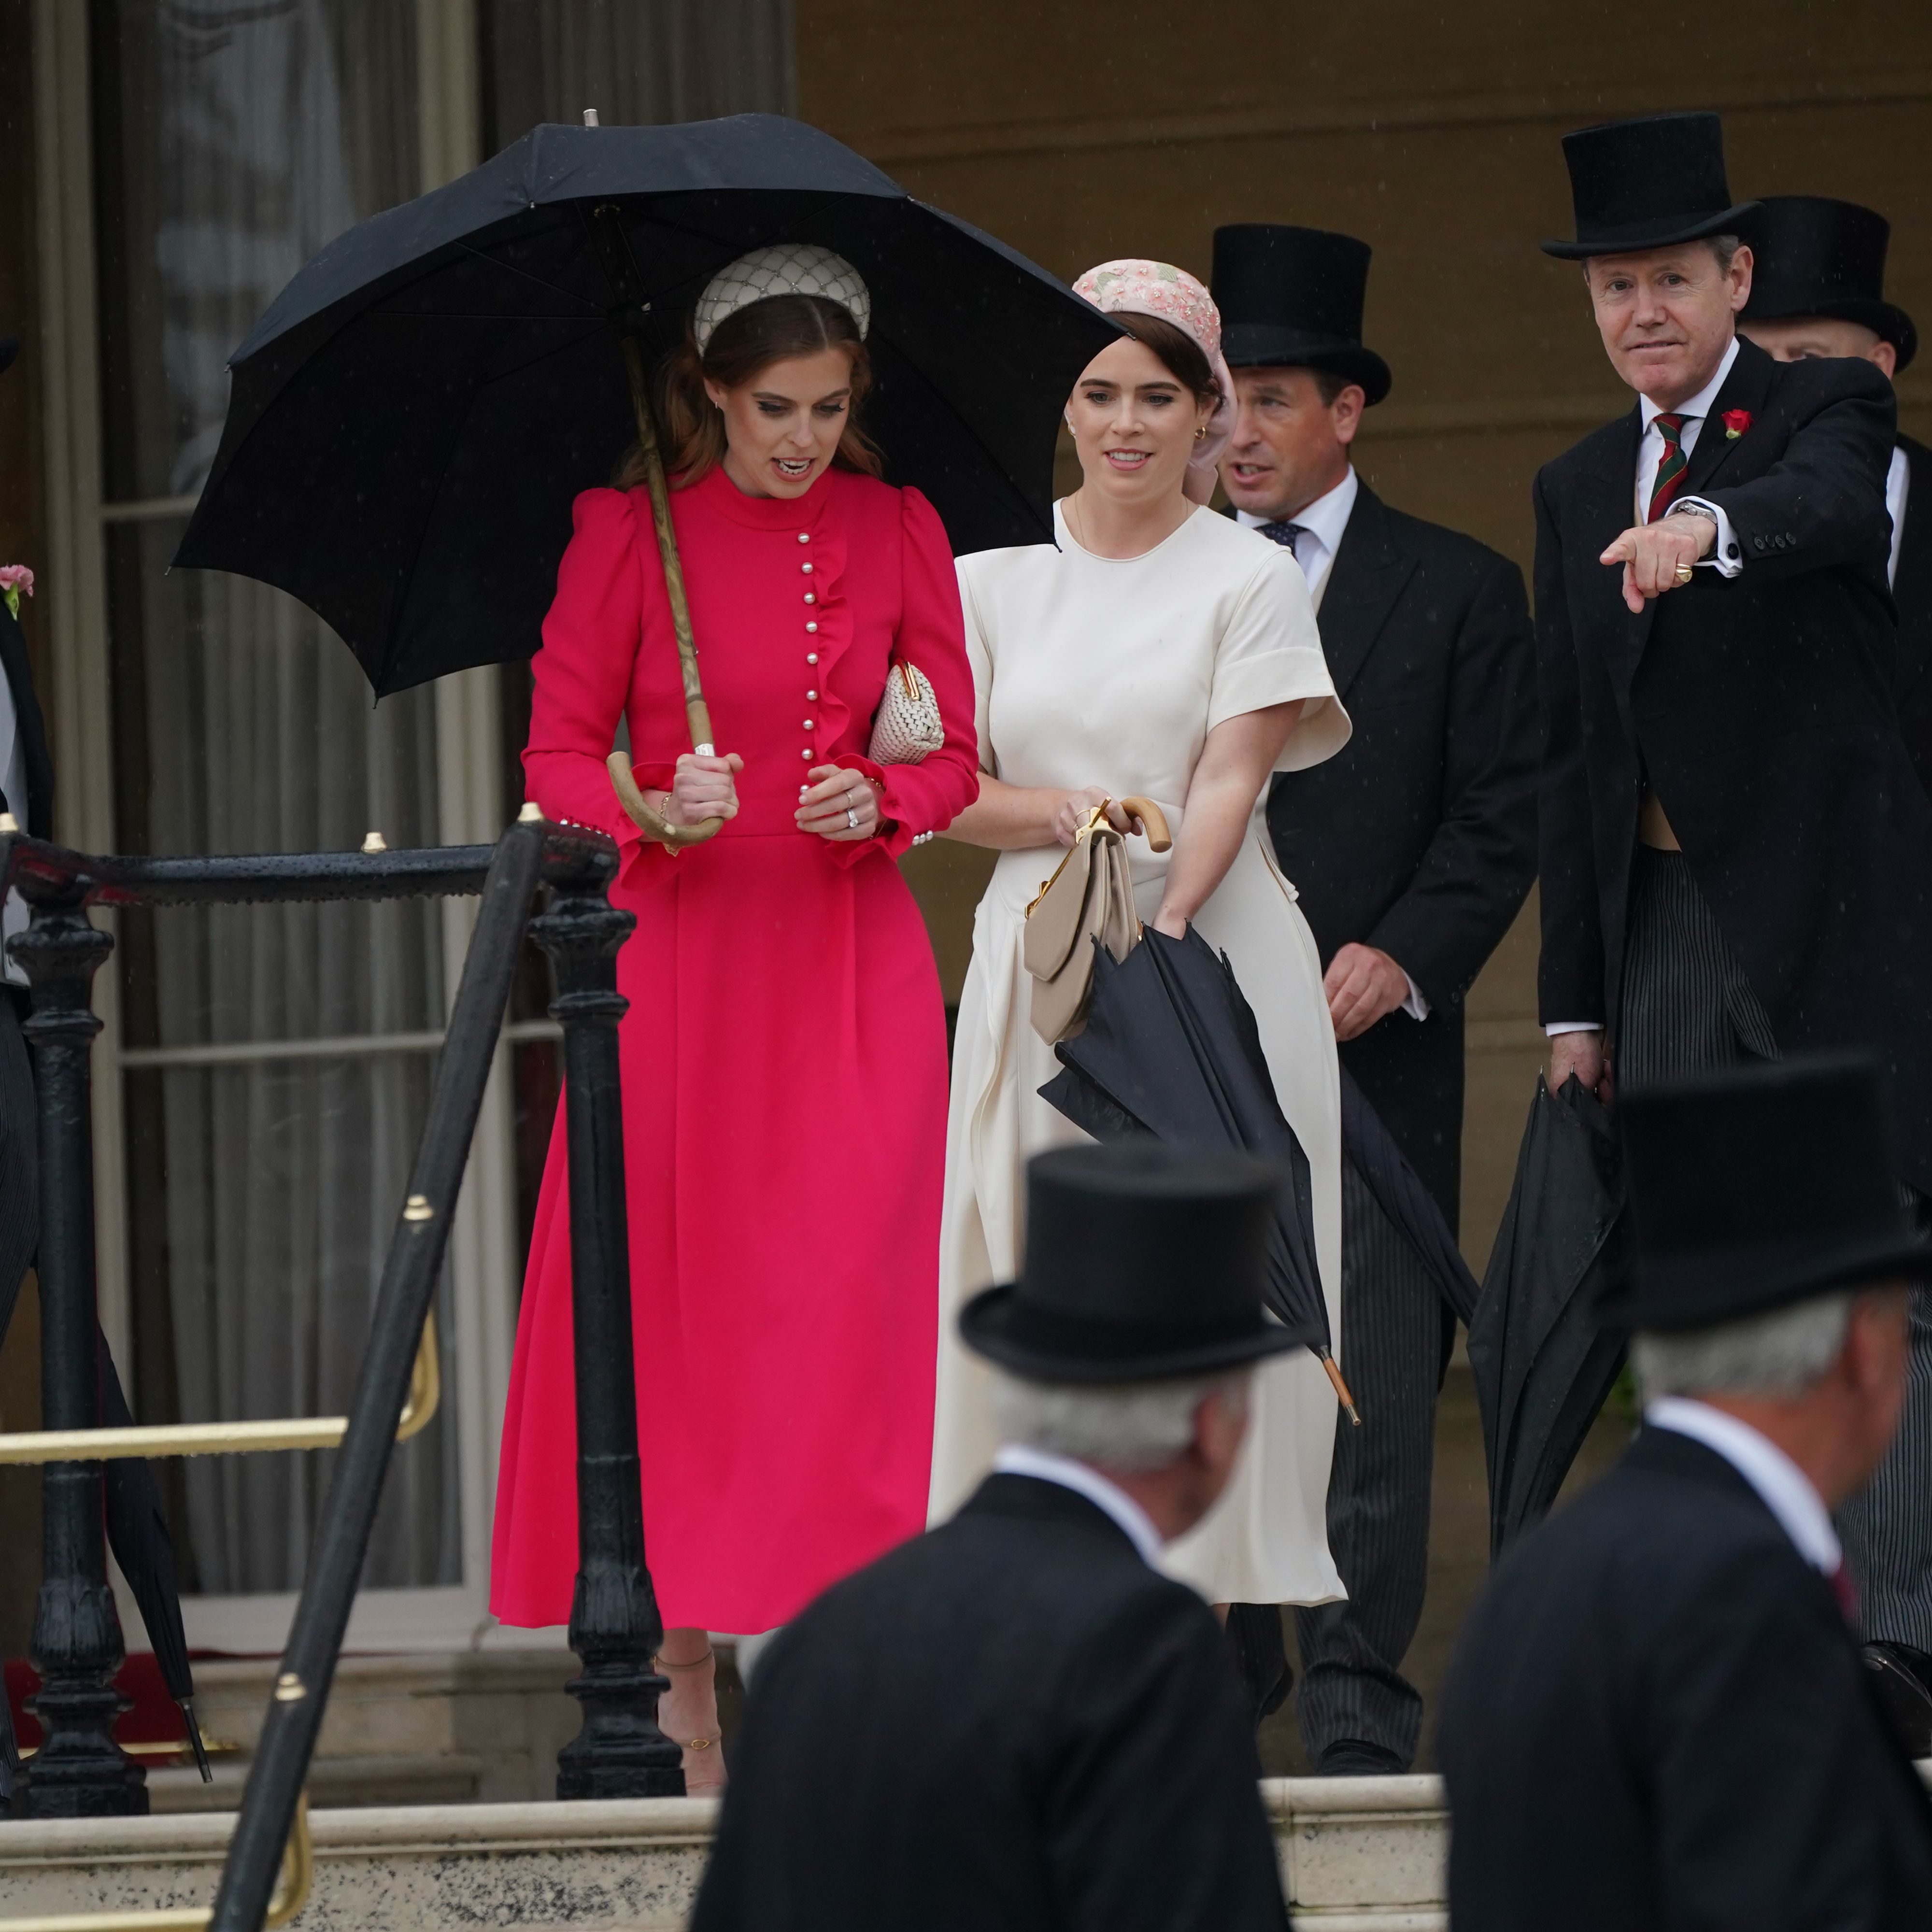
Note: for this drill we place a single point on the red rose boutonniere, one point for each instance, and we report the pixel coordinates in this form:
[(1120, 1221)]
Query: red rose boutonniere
[(1736, 421)]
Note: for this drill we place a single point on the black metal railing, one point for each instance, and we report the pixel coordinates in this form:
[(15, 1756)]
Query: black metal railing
[(79, 1771)]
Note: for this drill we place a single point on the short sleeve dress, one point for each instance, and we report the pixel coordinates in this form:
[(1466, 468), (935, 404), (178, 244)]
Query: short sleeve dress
[(784, 1057), (1093, 670)]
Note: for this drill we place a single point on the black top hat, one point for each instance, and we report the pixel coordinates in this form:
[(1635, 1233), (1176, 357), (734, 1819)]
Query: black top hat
[(1141, 1263), (1647, 183), (1752, 1188), (1293, 296), (1818, 256)]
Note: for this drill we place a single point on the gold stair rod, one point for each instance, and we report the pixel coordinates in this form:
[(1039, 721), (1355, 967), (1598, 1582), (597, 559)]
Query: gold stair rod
[(291, 1894), (228, 1438)]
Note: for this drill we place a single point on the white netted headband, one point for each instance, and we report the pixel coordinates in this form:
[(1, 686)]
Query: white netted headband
[(784, 268)]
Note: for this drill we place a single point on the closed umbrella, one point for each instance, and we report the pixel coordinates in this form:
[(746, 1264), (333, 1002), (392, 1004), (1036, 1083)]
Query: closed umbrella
[(1386, 1171), (1542, 1367), (1171, 1048)]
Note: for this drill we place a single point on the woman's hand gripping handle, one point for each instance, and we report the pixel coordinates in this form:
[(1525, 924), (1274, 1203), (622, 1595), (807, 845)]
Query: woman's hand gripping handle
[(702, 796)]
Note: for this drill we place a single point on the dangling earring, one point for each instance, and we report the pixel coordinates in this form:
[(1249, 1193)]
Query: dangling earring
[(1201, 433)]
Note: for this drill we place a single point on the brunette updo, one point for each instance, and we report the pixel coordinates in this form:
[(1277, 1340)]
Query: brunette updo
[(1183, 357), (746, 343)]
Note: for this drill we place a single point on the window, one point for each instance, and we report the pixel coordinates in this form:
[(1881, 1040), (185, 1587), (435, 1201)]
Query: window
[(263, 1071)]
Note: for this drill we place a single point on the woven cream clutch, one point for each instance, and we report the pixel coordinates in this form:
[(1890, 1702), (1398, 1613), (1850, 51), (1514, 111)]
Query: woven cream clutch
[(907, 724)]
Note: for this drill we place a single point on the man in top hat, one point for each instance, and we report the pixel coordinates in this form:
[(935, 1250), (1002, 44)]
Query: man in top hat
[(1412, 851), (1657, 1716), (1736, 853), (1016, 1720), (1818, 288)]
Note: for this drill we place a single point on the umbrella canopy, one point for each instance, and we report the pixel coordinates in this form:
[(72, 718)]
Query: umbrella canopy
[(410, 420), (1378, 1159), (1171, 1048), (1542, 1367)]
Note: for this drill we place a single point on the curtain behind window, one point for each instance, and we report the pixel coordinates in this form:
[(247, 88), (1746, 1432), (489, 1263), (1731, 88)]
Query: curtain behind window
[(235, 138), (634, 60)]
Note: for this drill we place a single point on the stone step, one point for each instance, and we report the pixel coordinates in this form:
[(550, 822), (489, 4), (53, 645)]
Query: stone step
[(1358, 1855)]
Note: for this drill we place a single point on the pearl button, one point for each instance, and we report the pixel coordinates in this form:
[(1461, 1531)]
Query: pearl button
[(806, 753), (806, 726), (811, 657), (804, 536), (811, 697), (806, 567), (811, 624), (809, 598)]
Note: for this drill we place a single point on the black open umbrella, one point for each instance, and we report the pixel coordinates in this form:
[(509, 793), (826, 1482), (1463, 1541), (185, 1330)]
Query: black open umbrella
[(412, 418), (1543, 1368), (1171, 1048)]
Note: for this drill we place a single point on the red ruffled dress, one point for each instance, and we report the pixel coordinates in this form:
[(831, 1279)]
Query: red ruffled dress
[(783, 1057)]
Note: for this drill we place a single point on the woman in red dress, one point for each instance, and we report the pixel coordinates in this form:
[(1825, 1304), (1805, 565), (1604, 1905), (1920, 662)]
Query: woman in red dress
[(784, 1054)]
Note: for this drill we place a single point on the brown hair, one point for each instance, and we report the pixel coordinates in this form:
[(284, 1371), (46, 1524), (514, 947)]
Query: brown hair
[(1186, 360), (746, 343)]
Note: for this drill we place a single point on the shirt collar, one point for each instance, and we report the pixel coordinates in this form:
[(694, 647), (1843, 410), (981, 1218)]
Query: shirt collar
[(1698, 406), (1015, 1458), (1325, 519), (1783, 1487)]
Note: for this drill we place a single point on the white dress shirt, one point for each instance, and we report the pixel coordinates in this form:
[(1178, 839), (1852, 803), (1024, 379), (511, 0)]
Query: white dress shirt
[(1897, 482), (1322, 524), (1724, 556), (1015, 1458), (1784, 1488), (13, 913)]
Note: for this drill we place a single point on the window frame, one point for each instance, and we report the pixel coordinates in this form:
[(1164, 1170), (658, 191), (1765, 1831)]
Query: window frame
[(483, 1259)]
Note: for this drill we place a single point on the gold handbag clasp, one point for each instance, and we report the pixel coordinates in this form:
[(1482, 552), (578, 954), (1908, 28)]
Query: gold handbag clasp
[(1095, 820)]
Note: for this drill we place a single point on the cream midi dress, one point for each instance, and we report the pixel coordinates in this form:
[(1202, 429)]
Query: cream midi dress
[(1092, 670)]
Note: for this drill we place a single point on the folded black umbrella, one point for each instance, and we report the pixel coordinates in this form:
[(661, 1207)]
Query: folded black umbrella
[(137, 1533), (412, 418), (1171, 1049), (1376, 1155), (1543, 1368)]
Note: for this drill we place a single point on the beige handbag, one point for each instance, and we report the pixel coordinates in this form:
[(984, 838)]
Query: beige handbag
[(1089, 899), (907, 725)]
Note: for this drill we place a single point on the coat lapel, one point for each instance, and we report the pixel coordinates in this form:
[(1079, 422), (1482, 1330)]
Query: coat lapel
[(1366, 579), (1747, 387)]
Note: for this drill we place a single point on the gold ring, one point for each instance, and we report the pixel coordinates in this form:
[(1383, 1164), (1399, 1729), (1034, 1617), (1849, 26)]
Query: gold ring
[(1683, 573)]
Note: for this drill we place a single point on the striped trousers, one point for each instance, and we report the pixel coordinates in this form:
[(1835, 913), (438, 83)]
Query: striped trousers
[(1351, 1686), (1687, 1009)]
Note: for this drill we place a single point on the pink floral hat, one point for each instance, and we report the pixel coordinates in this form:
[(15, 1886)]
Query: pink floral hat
[(1160, 289)]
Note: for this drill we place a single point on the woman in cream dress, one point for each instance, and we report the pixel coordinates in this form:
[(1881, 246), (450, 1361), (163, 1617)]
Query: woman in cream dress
[(1158, 650)]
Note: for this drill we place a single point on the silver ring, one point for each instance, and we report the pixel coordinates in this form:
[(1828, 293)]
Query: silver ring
[(851, 817)]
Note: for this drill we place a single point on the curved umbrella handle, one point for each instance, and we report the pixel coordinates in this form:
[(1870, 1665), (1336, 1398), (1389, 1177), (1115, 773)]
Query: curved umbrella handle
[(1159, 838), (654, 825)]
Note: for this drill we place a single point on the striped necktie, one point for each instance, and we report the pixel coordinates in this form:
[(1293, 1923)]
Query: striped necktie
[(1284, 534), (1670, 470)]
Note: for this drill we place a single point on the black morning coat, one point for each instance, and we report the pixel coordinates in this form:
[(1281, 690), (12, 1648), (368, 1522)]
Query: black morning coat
[(1419, 836), (36, 810), (1657, 1717), (1010, 1722), (1912, 591), (1761, 710)]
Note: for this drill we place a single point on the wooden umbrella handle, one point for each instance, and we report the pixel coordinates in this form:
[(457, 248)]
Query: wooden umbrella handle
[(653, 824), (1152, 819)]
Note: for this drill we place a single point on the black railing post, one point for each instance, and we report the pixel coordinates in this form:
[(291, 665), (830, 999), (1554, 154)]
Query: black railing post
[(79, 1772), (614, 1625)]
